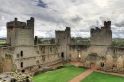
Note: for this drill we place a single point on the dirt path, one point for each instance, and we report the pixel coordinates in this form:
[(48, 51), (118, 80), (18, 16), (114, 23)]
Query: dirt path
[(57, 65), (81, 76), (86, 73)]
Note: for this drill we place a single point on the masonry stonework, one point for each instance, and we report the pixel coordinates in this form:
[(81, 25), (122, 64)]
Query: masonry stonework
[(101, 36), (30, 57)]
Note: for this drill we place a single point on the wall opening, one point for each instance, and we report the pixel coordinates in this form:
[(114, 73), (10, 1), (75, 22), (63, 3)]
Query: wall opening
[(102, 64), (70, 55), (43, 58), (58, 40), (10, 41), (23, 71), (62, 55), (21, 53), (79, 54), (21, 64), (17, 55), (92, 66), (50, 49), (43, 49)]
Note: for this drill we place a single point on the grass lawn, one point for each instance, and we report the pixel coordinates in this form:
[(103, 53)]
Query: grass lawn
[(101, 77), (60, 75)]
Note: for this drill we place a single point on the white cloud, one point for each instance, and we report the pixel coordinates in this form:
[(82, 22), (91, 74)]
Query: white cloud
[(51, 15)]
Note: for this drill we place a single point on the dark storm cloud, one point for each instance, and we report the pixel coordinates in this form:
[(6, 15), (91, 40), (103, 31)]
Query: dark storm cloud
[(42, 4)]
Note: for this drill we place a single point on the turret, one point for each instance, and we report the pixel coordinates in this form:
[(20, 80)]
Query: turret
[(107, 25)]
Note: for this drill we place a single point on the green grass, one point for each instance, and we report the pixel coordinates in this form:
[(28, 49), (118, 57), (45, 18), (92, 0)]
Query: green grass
[(101, 77), (60, 75)]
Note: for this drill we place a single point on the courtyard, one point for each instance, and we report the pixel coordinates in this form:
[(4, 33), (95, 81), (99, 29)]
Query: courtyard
[(76, 74)]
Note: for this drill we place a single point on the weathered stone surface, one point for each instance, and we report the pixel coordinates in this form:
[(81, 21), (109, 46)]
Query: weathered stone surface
[(23, 55)]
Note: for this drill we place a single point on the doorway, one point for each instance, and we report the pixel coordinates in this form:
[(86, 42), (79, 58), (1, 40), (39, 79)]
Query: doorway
[(92, 66), (62, 55)]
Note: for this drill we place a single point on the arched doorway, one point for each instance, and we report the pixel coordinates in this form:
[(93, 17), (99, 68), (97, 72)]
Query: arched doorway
[(92, 66)]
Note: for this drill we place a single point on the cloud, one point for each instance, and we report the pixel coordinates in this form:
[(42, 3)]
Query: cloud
[(51, 15)]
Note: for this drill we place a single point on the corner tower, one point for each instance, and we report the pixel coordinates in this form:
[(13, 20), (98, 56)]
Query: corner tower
[(20, 33), (101, 36)]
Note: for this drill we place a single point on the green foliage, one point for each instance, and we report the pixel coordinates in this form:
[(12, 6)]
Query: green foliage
[(80, 40), (52, 41), (101, 77), (46, 40), (39, 41), (67, 65), (118, 42), (60, 75)]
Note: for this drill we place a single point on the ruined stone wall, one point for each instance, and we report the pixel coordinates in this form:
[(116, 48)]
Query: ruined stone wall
[(78, 52), (101, 36), (1, 62), (8, 65), (6, 62), (100, 50), (50, 53), (35, 57)]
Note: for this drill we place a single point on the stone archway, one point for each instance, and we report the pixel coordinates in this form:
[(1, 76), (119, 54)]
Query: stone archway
[(92, 66)]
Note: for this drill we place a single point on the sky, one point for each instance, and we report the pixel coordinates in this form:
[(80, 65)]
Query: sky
[(51, 15)]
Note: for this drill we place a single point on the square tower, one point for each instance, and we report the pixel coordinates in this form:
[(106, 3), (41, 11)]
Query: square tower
[(63, 38), (20, 33), (101, 36)]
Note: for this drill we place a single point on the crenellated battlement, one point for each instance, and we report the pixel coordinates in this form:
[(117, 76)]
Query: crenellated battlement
[(19, 24), (20, 33), (106, 23)]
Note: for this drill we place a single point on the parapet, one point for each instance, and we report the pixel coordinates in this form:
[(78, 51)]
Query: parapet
[(92, 30), (19, 24), (101, 36), (106, 23)]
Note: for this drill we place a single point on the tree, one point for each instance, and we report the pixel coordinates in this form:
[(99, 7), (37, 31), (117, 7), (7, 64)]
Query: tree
[(52, 41)]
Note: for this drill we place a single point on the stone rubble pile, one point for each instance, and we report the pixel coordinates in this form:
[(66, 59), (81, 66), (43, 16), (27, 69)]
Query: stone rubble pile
[(15, 77)]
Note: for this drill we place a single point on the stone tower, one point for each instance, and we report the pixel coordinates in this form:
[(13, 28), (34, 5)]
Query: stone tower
[(20, 33), (63, 38), (101, 36)]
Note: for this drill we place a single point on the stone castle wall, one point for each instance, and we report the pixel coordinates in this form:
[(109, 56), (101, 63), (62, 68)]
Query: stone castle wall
[(6, 63), (23, 55)]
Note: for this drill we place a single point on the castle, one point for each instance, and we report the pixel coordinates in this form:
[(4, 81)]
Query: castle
[(28, 56)]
